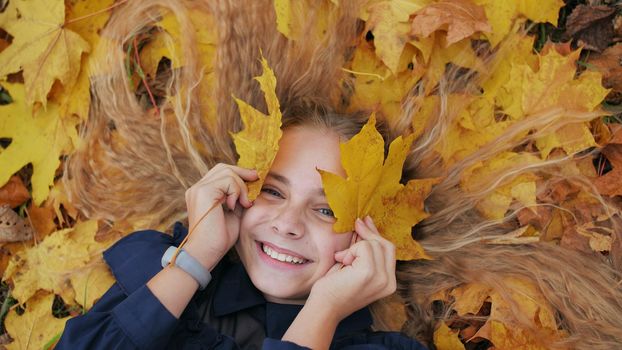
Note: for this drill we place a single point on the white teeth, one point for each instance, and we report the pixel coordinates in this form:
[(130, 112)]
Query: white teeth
[(280, 256)]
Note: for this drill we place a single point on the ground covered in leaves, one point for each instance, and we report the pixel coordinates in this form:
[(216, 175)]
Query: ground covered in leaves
[(51, 263)]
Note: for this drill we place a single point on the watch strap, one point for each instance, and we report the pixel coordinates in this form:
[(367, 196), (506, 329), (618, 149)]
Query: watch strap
[(189, 264)]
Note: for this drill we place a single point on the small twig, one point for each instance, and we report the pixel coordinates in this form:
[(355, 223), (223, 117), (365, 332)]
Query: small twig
[(143, 77)]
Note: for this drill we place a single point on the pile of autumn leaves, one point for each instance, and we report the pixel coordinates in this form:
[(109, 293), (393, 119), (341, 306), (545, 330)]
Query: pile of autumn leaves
[(44, 67)]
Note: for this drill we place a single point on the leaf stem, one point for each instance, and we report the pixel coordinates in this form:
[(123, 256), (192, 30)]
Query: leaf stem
[(364, 73), (191, 231), (121, 2)]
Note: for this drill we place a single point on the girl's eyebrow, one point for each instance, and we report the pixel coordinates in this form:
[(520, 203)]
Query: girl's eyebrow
[(278, 177), (285, 181)]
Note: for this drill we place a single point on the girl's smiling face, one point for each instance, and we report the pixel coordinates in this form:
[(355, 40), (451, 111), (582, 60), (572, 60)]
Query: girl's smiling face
[(286, 238)]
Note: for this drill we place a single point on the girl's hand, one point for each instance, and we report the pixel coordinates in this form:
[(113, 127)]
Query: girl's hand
[(365, 272), (223, 191)]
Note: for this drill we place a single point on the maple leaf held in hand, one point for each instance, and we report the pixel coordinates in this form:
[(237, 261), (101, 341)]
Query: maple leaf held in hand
[(373, 188), (258, 143)]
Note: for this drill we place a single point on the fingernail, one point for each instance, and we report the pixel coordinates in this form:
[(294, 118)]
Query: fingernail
[(358, 221)]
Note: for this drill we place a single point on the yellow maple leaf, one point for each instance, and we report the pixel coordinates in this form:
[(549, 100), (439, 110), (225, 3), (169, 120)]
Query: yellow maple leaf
[(469, 298), (50, 264), (86, 18), (446, 339), (375, 88), (554, 85), (503, 14), (292, 17), (91, 283), (516, 49), (482, 175), (459, 53), (572, 138), (38, 139), (42, 47), (389, 22), (36, 327), (460, 18), (167, 43), (258, 143), (373, 188), (473, 127), (514, 315)]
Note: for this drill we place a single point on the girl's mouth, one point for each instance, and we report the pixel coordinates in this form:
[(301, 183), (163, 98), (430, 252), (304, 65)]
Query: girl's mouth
[(278, 255)]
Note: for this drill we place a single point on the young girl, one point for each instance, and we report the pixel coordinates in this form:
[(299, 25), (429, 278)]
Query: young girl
[(297, 284)]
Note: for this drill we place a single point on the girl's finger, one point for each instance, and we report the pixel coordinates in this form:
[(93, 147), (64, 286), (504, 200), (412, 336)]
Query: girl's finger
[(385, 256), (366, 232), (220, 168), (244, 173), (370, 223), (243, 195), (232, 197), (345, 257), (389, 247), (229, 183)]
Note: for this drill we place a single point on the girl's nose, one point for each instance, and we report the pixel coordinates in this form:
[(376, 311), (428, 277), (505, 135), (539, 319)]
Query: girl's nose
[(288, 221)]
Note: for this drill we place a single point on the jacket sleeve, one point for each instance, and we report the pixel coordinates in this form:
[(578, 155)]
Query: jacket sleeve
[(118, 321), (275, 344), (128, 316), (360, 341)]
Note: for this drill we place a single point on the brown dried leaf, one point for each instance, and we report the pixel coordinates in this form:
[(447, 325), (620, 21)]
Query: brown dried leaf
[(12, 227), (610, 184), (42, 219), (460, 18), (600, 243), (591, 26), (14, 193), (573, 240), (608, 64)]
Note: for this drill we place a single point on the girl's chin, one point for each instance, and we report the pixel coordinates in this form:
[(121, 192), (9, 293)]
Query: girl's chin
[(279, 288), (280, 296)]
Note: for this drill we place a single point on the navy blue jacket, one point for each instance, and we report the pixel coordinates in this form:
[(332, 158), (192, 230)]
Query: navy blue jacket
[(230, 314)]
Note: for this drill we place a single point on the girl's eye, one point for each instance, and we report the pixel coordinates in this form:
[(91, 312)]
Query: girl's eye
[(271, 192), (326, 212)]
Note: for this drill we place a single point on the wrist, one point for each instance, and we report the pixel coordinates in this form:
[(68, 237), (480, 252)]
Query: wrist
[(205, 256), (324, 310), (314, 327), (326, 301)]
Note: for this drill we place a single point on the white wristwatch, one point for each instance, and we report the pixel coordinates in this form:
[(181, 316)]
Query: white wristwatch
[(189, 264)]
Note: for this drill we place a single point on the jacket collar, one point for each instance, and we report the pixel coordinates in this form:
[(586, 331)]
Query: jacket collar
[(235, 292)]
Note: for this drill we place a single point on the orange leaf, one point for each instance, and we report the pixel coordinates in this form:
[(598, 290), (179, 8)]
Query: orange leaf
[(610, 184), (14, 192), (460, 18)]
